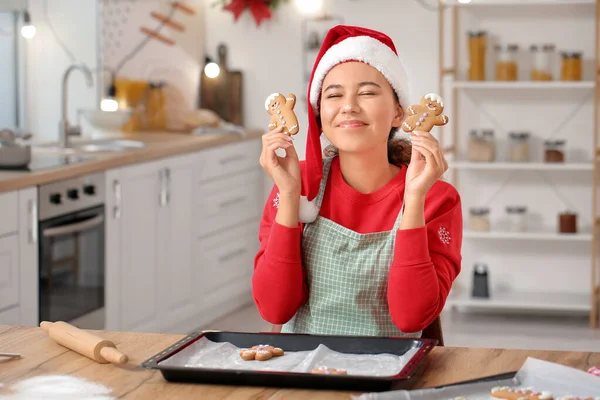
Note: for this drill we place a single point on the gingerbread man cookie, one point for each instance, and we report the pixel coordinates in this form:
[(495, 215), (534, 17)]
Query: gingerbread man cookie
[(329, 371), (281, 109), (262, 352), (569, 397), (426, 115), (508, 393)]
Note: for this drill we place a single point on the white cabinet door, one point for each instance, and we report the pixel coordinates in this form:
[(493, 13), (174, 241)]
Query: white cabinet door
[(9, 271), (28, 257), (175, 242), (132, 263)]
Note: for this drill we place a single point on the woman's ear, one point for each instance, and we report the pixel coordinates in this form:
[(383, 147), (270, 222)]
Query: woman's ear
[(399, 117)]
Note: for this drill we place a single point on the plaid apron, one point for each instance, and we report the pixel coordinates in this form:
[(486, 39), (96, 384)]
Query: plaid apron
[(347, 278)]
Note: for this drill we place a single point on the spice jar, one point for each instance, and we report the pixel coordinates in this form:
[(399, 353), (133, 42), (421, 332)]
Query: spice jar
[(567, 222), (554, 151), (477, 50), (519, 146), (517, 218), (479, 220), (481, 147), (506, 62), (541, 62), (570, 69)]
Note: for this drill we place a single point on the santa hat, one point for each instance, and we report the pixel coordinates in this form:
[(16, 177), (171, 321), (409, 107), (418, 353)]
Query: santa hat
[(344, 43)]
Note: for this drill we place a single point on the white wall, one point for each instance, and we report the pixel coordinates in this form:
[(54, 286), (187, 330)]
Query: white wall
[(75, 23), (7, 70), (178, 65)]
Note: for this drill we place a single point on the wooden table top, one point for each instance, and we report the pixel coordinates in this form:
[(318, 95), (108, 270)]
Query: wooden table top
[(42, 356)]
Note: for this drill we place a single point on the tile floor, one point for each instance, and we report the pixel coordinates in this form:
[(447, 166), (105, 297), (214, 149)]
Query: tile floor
[(474, 330)]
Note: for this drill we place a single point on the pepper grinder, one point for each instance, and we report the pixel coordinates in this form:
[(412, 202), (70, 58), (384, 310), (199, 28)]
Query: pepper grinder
[(480, 281)]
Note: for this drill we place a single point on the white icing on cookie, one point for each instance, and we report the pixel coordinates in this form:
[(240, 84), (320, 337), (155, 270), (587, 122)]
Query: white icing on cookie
[(436, 98), (545, 396), (270, 99)]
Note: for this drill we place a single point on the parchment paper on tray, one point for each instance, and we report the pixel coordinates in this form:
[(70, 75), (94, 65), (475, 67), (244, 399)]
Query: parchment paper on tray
[(537, 374), (208, 354)]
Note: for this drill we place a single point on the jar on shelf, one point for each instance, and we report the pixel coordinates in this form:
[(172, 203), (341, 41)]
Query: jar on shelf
[(506, 62), (567, 222), (554, 151), (517, 218), (481, 146), (518, 150), (570, 69), (477, 51), (541, 62), (479, 219)]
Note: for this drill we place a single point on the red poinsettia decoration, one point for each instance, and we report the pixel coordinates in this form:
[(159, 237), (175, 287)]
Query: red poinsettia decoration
[(260, 9)]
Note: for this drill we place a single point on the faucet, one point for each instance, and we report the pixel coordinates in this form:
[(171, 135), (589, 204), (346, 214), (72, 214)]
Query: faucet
[(65, 129)]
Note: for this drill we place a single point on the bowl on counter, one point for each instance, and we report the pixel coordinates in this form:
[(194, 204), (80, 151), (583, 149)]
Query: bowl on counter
[(106, 123)]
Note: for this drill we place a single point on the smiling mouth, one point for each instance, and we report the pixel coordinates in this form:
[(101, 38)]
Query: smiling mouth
[(431, 107), (352, 124)]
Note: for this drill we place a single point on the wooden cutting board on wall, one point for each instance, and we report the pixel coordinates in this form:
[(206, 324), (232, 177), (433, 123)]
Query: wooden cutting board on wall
[(223, 94)]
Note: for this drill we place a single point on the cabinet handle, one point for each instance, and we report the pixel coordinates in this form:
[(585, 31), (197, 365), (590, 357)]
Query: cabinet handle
[(117, 206), (33, 214), (232, 254), (167, 186), (227, 160), (235, 200), (162, 198)]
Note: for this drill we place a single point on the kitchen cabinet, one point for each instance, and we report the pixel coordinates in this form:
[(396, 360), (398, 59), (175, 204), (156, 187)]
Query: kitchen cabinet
[(181, 235), (18, 258)]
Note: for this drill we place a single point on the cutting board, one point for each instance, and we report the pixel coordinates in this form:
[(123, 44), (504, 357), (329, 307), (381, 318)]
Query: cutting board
[(223, 94)]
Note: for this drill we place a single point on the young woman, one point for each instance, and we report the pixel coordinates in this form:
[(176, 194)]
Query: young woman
[(366, 241)]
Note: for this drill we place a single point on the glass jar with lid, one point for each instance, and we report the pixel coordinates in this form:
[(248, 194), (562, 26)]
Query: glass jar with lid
[(518, 148), (481, 146), (517, 218), (570, 69), (477, 44), (506, 62), (554, 151), (542, 57), (479, 220)]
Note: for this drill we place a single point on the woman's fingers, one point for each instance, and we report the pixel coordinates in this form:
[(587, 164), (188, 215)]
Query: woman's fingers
[(431, 157)]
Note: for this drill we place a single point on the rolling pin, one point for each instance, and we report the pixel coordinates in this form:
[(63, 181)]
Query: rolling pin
[(84, 343)]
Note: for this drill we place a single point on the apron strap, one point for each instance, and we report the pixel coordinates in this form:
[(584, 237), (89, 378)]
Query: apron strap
[(399, 218), (326, 169)]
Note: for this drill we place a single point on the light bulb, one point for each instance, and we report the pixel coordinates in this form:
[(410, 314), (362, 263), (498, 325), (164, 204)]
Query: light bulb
[(309, 6), (464, 1), (109, 105), (28, 31), (212, 70)]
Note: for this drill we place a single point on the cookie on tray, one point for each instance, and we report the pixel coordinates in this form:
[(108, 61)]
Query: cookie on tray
[(329, 371), (261, 352), (509, 393)]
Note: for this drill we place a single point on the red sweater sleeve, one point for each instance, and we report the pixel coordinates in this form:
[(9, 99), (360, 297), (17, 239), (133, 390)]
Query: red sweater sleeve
[(279, 286), (426, 261)]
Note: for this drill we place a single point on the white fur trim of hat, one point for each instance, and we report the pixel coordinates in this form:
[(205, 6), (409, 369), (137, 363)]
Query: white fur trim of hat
[(370, 51)]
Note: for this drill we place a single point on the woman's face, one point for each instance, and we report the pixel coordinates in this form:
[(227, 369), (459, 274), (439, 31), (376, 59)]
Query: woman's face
[(358, 108)]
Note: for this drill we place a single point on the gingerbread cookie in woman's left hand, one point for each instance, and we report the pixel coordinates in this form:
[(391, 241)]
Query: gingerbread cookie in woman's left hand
[(424, 116)]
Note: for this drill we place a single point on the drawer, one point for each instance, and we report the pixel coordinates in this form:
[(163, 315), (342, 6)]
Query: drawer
[(227, 202), (9, 213), (227, 160), (225, 258), (10, 316)]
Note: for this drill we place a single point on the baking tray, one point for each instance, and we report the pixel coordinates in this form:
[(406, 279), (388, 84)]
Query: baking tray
[(299, 342)]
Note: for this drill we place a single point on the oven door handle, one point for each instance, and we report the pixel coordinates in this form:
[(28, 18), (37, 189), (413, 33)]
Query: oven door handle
[(74, 228)]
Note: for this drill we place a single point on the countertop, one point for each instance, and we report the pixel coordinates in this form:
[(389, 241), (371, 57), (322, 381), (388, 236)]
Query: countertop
[(158, 145), (42, 356)]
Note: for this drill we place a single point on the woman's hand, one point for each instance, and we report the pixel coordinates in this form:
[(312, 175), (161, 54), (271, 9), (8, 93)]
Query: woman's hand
[(427, 164), (285, 171)]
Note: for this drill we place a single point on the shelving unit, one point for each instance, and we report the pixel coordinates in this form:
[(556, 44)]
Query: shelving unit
[(452, 85)]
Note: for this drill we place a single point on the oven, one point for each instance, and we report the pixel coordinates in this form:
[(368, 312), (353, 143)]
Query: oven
[(71, 251)]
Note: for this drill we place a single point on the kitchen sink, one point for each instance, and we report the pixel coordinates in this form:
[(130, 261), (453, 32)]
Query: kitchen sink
[(91, 146)]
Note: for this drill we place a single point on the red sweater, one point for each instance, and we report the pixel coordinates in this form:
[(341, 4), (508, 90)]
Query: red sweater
[(426, 260)]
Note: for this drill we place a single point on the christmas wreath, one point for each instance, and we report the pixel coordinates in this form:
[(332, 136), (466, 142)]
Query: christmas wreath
[(260, 9)]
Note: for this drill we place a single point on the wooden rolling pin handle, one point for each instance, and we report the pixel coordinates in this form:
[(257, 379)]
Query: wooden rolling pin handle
[(113, 355), (84, 343)]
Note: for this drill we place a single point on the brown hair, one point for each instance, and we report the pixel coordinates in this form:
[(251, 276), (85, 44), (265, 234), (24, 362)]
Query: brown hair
[(399, 149)]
